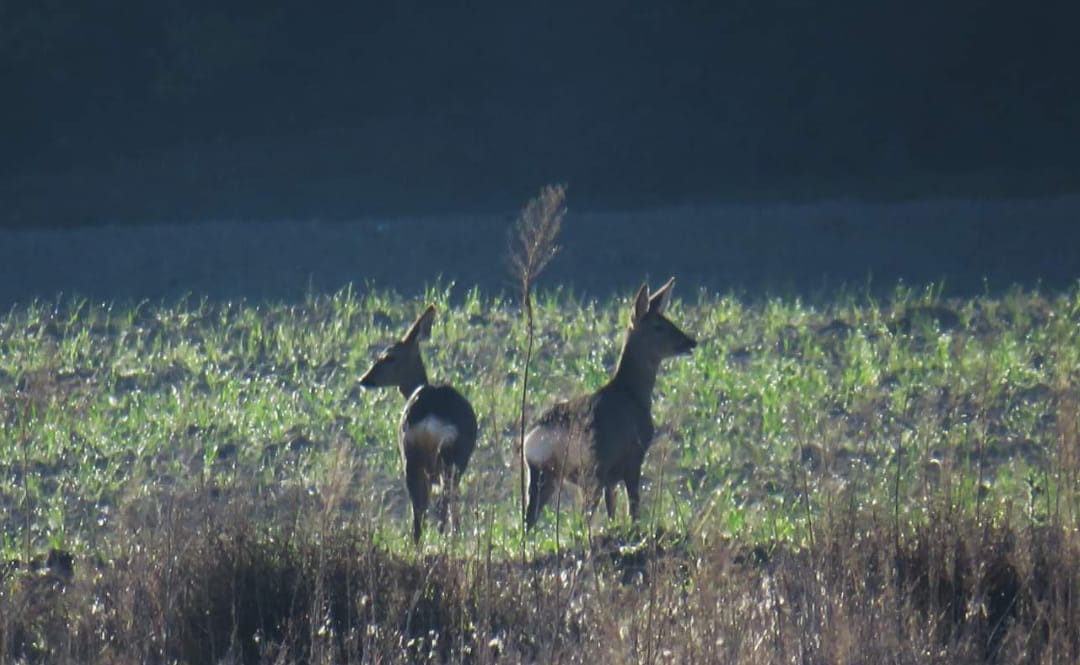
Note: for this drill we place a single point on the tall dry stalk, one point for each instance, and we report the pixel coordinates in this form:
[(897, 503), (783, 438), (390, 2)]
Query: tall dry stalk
[(532, 247)]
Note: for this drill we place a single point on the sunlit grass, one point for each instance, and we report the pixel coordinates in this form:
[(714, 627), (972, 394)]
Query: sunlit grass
[(787, 410), (216, 471)]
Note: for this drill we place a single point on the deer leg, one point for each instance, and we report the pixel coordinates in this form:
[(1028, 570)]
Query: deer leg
[(592, 500), (609, 500), (419, 487), (541, 488), (632, 480), (447, 505)]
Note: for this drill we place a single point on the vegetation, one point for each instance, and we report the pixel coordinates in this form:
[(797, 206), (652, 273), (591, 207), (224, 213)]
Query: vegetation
[(532, 247), (853, 481)]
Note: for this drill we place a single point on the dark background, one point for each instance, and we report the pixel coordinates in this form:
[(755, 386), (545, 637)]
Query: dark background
[(122, 111), (258, 149)]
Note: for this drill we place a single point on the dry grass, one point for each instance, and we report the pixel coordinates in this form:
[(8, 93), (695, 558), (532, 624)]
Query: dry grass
[(200, 581)]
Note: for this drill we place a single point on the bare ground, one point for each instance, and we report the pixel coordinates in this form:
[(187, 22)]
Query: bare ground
[(809, 250)]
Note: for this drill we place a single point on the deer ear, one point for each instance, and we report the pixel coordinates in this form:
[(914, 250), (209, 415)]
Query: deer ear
[(421, 327), (641, 304), (660, 300)]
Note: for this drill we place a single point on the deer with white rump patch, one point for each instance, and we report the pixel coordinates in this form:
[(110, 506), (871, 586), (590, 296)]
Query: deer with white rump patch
[(600, 439), (437, 432)]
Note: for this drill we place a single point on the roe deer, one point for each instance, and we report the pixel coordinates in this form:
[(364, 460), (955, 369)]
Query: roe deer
[(599, 439), (438, 428)]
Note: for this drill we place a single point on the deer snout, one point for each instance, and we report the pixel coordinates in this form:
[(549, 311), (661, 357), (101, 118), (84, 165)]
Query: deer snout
[(368, 379), (357, 388), (686, 346)]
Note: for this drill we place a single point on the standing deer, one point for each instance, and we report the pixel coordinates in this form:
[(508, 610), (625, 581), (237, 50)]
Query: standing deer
[(600, 439), (437, 433)]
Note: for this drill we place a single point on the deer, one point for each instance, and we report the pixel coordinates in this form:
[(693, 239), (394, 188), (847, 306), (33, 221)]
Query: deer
[(600, 439), (437, 430)]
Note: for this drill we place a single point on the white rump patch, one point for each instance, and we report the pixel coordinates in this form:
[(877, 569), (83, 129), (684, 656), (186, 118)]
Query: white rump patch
[(540, 444), (431, 433), (553, 447)]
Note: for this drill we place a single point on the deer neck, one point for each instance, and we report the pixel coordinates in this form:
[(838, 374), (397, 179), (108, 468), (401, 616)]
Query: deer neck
[(636, 372), (415, 379)]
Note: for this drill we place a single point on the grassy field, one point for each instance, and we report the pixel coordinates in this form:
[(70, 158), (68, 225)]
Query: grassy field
[(854, 481)]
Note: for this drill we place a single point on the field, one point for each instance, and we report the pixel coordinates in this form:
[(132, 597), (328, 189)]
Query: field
[(854, 481)]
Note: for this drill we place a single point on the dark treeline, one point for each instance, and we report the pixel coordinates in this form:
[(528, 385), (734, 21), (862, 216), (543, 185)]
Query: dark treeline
[(347, 107)]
